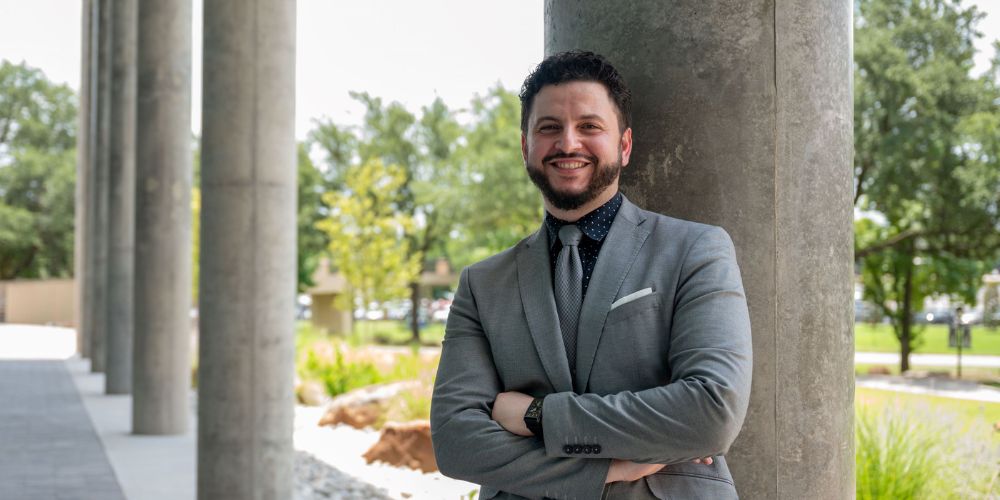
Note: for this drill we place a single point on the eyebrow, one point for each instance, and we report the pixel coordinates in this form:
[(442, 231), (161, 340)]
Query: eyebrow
[(584, 117)]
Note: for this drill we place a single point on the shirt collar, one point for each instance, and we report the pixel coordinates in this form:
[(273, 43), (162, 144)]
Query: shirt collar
[(595, 225)]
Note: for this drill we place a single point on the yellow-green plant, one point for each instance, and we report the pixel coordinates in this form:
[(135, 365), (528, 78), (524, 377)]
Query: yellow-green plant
[(337, 374), (367, 234), (903, 456)]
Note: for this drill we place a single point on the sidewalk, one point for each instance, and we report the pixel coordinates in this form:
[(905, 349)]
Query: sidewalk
[(949, 360), (61, 437), (50, 449)]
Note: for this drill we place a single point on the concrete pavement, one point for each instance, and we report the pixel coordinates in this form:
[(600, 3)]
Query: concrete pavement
[(61, 437), (945, 360), (50, 449)]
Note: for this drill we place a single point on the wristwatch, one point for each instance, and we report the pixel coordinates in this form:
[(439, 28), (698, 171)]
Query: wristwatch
[(533, 417)]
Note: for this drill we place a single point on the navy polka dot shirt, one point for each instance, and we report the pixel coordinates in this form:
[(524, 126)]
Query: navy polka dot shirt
[(595, 227)]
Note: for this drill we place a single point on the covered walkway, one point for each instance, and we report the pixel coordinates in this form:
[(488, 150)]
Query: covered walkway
[(61, 437)]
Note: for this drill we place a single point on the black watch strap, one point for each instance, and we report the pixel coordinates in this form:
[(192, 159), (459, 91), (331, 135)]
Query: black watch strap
[(533, 417)]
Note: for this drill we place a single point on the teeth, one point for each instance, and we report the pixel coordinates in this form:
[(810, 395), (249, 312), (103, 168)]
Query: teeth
[(571, 165)]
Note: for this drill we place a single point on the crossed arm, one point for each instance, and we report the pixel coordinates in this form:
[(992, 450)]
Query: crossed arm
[(697, 414)]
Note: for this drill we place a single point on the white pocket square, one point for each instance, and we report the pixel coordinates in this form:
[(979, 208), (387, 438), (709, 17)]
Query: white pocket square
[(632, 296)]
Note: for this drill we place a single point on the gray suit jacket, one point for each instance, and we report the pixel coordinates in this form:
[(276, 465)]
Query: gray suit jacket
[(664, 378)]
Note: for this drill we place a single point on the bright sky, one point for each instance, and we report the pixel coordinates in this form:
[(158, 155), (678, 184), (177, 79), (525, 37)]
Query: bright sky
[(407, 51)]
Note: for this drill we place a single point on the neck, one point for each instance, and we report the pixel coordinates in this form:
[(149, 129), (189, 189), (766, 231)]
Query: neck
[(575, 214)]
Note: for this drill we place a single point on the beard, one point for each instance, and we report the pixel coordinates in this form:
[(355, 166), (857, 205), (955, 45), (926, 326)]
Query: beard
[(603, 176)]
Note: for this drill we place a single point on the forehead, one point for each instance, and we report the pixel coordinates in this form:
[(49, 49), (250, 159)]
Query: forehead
[(573, 99)]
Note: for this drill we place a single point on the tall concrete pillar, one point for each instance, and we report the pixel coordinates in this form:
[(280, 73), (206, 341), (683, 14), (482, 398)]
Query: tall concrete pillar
[(99, 192), (742, 118), (82, 168), (162, 374), (247, 274), (121, 200)]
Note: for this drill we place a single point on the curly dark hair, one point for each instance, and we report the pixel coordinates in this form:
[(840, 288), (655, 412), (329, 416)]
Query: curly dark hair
[(577, 66)]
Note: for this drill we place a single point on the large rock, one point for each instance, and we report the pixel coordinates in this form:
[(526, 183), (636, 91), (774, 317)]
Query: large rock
[(405, 445), (361, 408), (311, 393)]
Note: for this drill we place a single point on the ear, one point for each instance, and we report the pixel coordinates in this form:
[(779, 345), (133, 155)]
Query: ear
[(626, 145), (524, 147)]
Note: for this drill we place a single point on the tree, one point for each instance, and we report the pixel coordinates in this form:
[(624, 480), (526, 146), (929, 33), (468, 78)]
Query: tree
[(312, 242), (926, 157), (37, 174), (498, 203), (367, 234), (422, 150), (464, 187)]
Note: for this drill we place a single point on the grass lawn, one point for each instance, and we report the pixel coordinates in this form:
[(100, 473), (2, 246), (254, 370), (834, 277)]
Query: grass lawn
[(385, 332), (930, 339), (973, 417)]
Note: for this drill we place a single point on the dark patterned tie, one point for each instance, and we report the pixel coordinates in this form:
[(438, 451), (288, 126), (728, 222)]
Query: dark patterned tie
[(569, 288)]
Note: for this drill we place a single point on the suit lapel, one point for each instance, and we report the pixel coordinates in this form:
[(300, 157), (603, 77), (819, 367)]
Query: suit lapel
[(534, 277), (618, 253)]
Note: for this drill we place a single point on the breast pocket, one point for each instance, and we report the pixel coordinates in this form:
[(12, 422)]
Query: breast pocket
[(632, 354), (635, 310)]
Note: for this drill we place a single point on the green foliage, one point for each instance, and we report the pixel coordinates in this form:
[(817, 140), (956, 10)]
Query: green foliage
[(37, 174), (932, 339), (464, 186), (367, 234), (499, 205), (312, 242), (918, 447), (927, 157), (337, 375)]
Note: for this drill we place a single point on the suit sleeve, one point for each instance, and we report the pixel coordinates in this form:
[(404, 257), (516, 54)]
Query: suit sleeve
[(469, 445), (701, 410)]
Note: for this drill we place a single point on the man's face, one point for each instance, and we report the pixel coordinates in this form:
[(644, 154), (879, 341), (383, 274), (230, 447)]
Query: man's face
[(573, 149)]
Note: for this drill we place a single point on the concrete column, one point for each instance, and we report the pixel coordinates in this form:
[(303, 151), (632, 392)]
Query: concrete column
[(99, 191), (162, 376), (82, 168), (121, 201), (247, 288), (742, 118)]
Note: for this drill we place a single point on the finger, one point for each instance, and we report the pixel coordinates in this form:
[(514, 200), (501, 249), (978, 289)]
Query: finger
[(707, 461)]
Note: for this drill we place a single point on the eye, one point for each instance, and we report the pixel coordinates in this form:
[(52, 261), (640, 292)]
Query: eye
[(548, 128), (590, 126)]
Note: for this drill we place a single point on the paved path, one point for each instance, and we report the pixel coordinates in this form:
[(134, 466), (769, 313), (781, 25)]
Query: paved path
[(48, 447), (950, 360), (931, 386)]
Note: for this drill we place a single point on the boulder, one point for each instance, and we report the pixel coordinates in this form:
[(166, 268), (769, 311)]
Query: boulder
[(311, 393), (405, 445), (879, 370), (362, 407)]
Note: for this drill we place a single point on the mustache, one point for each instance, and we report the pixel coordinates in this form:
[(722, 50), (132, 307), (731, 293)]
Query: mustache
[(561, 156)]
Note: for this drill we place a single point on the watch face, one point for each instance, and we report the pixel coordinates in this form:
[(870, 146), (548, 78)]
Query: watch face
[(534, 411)]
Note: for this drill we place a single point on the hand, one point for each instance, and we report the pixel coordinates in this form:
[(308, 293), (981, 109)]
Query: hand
[(509, 409), (623, 470)]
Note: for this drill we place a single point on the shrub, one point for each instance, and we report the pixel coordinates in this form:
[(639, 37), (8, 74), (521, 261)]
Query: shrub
[(337, 374), (902, 457)]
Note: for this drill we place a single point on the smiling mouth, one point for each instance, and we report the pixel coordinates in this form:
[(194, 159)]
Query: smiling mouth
[(570, 165)]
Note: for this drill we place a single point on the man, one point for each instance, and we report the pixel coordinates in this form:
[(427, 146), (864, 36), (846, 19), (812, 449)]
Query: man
[(608, 354)]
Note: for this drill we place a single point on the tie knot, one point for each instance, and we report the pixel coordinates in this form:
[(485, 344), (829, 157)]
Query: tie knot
[(570, 235)]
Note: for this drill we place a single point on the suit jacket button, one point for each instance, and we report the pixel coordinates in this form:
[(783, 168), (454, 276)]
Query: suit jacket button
[(597, 449), (587, 450), (568, 449), (578, 449)]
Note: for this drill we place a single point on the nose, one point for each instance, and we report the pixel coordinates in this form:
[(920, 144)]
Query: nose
[(569, 140)]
